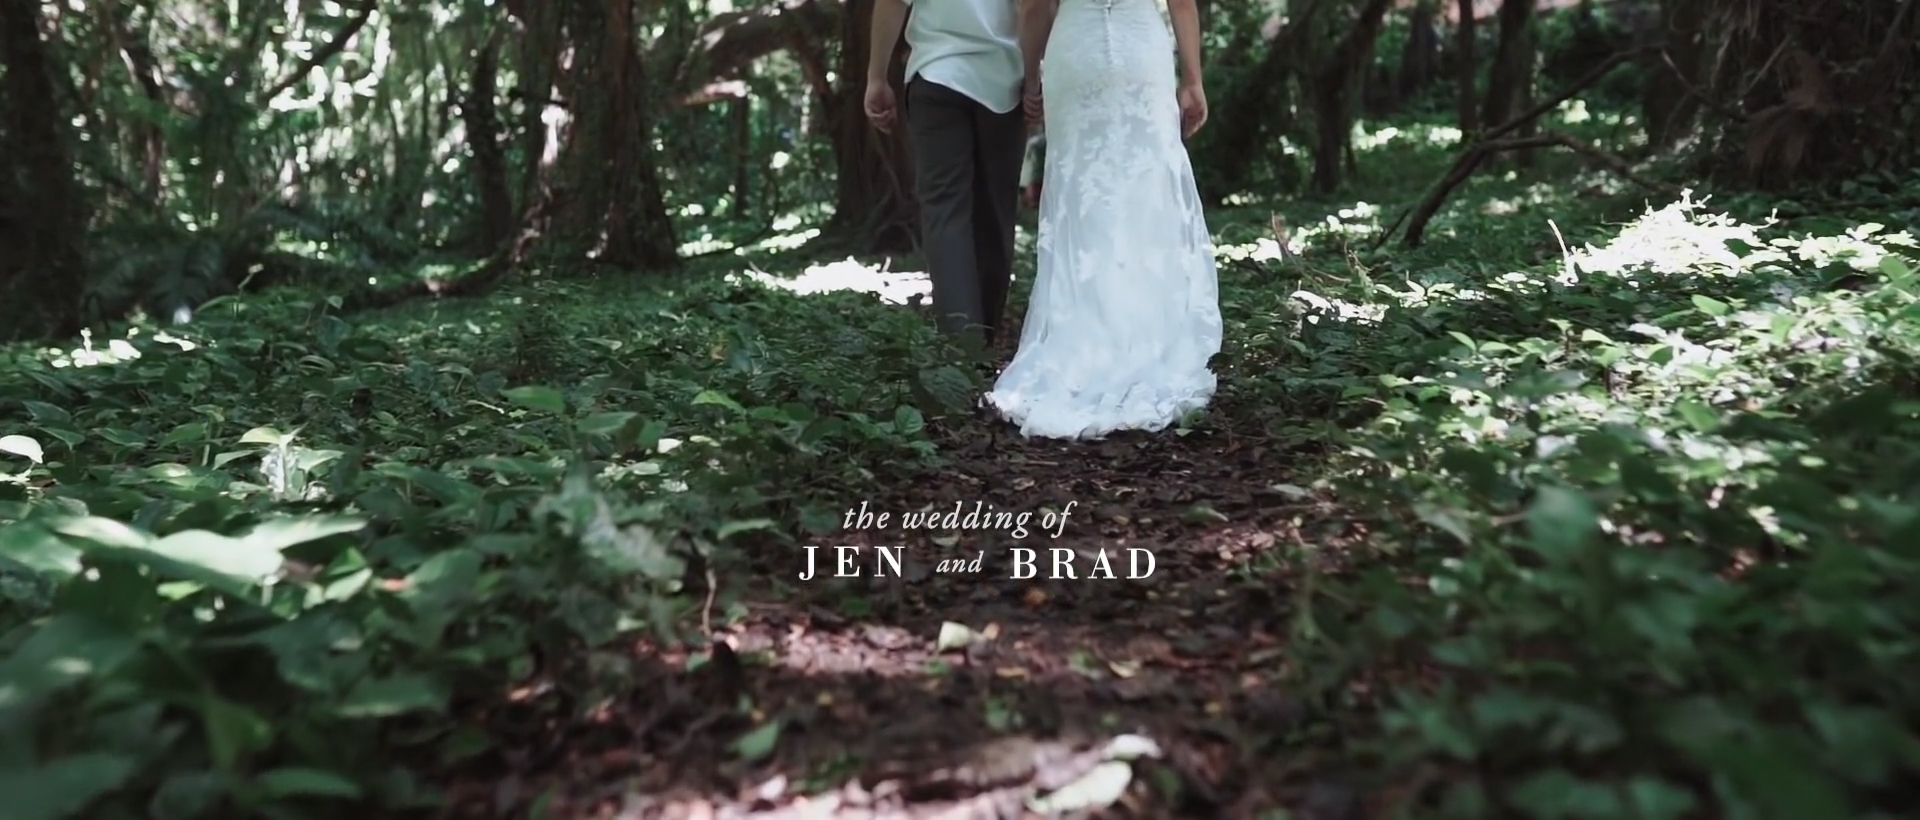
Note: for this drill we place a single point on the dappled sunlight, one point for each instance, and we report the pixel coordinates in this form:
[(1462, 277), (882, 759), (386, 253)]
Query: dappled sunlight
[(893, 287), (1682, 240), (1533, 196), (1423, 135), (117, 351), (1675, 242), (376, 485), (1261, 249)]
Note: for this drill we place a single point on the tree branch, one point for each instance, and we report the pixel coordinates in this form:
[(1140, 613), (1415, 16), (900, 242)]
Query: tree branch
[(325, 53), (1490, 143), (731, 41), (1468, 162)]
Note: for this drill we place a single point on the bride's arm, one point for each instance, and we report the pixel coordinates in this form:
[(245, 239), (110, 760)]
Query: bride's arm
[(1186, 36), (1036, 22)]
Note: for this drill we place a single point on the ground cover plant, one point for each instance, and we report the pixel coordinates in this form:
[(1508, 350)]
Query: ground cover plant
[(366, 479)]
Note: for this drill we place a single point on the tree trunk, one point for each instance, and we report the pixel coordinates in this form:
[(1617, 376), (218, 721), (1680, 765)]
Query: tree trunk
[(138, 61), (874, 206), (42, 213), (1512, 66), (482, 122), (541, 45), (1227, 151), (1523, 93), (1466, 69), (740, 116), (1666, 106), (1332, 95), (1420, 56), (612, 204)]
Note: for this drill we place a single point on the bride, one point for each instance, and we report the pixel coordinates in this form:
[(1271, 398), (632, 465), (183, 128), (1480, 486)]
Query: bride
[(1125, 311)]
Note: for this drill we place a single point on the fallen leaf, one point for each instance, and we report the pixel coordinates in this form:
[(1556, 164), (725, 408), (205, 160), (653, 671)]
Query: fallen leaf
[(1130, 747), (1098, 788), (1291, 491), (954, 636), (1201, 514)]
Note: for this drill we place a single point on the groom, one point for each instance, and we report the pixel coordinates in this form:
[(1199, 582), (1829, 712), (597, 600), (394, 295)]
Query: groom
[(964, 118)]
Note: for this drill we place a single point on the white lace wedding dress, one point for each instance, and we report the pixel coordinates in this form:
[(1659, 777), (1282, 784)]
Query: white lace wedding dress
[(1125, 312)]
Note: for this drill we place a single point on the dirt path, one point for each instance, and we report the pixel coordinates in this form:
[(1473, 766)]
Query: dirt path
[(875, 723)]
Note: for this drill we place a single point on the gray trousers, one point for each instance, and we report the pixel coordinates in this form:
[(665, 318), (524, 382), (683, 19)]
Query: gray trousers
[(967, 177)]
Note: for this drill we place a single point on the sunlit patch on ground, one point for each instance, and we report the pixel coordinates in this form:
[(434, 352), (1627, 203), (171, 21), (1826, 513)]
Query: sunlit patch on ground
[(893, 287), (1427, 135)]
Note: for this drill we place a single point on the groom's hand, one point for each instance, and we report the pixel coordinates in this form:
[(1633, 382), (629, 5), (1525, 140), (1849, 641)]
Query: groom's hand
[(1032, 102), (881, 108)]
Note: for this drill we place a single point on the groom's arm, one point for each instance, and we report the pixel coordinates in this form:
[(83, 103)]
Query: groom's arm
[(1036, 22), (889, 16)]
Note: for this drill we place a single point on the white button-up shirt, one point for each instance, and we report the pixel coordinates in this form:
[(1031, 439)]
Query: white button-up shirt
[(970, 46)]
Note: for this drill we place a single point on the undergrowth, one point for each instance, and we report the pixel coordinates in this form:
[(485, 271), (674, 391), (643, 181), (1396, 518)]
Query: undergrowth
[(1641, 498), (1643, 521), (253, 564)]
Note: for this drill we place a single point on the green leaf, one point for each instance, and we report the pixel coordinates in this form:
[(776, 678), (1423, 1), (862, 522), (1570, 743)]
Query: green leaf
[(292, 782), (758, 744), (213, 552), (1555, 794), (65, 650), (948, 386), (233, 731), (606, 424), (716, 397), (733, 528), (192, 432), (265, 435), (103, 531), (1560, 522), (124, 438), (535, 397), (907, 420), (1656, 799), (398, 695), (38, 549), (24, 447), (1698, 416), (1710, 306), (44, 412), (64, 787), (278, 534)]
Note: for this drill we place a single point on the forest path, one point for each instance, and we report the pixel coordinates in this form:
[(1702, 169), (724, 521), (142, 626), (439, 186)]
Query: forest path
[(877, 720)]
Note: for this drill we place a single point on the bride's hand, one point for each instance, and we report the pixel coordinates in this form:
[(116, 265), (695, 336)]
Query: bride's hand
[(1193, 109), (1034, 104)]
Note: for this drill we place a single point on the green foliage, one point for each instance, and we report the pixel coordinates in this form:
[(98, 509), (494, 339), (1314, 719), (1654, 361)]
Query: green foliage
[(167, 270), (245, 572), (1644, 522)]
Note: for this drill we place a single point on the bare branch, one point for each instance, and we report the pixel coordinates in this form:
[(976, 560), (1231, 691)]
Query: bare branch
[(327, 52)]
